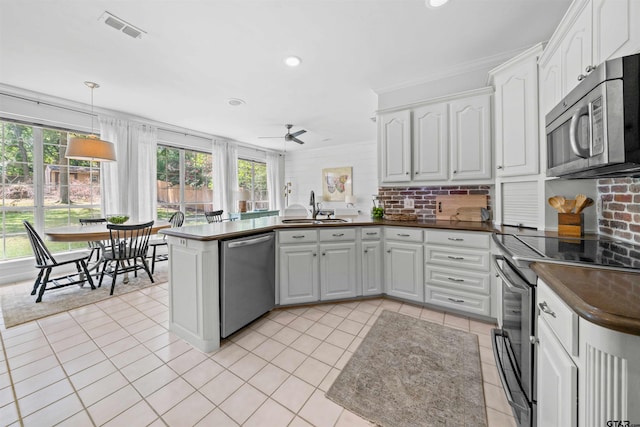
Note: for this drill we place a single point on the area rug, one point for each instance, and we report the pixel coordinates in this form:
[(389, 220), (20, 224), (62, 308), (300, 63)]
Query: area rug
[(19, 306), (408, 372)]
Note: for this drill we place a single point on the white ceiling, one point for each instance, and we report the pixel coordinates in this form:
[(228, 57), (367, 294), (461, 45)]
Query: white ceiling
[(198, 53)]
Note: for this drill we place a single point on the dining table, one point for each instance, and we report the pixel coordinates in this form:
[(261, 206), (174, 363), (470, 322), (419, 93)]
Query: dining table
[(93, 233)]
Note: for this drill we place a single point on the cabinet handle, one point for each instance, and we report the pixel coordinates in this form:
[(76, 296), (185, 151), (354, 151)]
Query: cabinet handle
[(372, 234), (404, 235), (338, 235), (366, 251), (457, 258), (455, 300), (324, 253), (456, 239), (440, 207), (545, 308), (498, 167), (416, 172), (533, 340), (298, 237), (315, 254), (406, 173), (455, 171), (388, 251), (589, 68), (453, 279), (581, 77)]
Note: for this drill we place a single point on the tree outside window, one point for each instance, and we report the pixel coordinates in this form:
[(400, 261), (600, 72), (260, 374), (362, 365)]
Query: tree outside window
[(252, 176)]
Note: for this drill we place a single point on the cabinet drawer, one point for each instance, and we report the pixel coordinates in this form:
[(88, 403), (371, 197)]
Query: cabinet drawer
[(458, 239), (371, 233), (460, 300), (560, 318), (298, 236), (403, 234), (457, 257), (337, 234), (458, 280)]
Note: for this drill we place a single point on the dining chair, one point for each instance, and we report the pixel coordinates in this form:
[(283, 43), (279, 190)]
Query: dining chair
[(96, 246), (129, 244), (46, 262), (214, 216), (176, 220)]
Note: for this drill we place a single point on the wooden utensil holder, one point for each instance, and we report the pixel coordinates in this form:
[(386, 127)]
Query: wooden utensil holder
[(570, 224)]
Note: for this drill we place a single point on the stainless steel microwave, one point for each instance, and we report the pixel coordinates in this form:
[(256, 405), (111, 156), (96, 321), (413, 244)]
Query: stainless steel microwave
[(595, 130)]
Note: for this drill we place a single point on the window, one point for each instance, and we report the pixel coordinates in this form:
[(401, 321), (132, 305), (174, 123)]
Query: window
[(252, 176), (185, 183), (40, 185)]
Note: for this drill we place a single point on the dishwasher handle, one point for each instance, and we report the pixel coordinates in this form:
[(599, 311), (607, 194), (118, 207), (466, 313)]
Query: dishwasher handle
[(249, 242)]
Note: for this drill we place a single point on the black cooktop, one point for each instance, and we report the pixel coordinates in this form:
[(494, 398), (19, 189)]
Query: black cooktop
[(598, 252)]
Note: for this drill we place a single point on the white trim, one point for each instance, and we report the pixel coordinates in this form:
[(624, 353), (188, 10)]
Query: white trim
[(466, 94)]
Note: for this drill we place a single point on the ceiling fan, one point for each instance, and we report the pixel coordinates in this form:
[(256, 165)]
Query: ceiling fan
[(289, 136)]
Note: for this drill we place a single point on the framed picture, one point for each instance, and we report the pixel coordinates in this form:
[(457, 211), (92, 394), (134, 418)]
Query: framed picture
[(336, 184)]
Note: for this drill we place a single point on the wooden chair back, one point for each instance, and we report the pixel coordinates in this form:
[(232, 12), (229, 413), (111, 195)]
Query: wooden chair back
[(129, 241), (214, 216), (41, 253)]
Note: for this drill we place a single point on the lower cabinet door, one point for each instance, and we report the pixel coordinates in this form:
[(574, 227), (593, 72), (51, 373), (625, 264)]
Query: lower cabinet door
[(338, 276), (372, 268), (404, 272), (557, 381), (298, 273)]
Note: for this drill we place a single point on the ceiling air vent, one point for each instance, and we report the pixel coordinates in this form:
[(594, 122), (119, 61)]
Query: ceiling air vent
[(122, 25)]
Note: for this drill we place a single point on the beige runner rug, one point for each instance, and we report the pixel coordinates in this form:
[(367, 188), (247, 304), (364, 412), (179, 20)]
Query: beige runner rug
[(408, 372)]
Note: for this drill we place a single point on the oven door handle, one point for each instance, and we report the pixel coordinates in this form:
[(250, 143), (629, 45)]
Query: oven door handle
[(495, 333), (515, 287)]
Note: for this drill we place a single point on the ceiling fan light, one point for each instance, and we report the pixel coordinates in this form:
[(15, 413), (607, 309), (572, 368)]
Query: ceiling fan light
[(433, 4), (292, 61), (90, 148)]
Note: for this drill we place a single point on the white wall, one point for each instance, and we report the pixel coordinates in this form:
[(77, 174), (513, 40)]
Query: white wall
[(304, 170)]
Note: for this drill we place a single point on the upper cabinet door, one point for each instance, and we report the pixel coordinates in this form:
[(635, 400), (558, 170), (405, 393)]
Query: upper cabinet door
[(516, 119), (615, 29), (470, 133), (430, 143), (576, 51), (551, 83), (394, 135)]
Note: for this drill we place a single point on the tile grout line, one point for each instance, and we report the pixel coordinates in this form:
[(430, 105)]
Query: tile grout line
[(13, 389)]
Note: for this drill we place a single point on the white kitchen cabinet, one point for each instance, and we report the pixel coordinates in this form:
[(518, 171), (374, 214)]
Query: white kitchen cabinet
[(557, 381), (576, 49), (515, 115), (430, 143), (371, 264), (403, 270), (298, 273), (337, 270), (615, 29), (550, 85), (470, 138), (394, 133)]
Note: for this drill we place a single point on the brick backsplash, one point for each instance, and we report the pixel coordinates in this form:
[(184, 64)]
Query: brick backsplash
[(425, 198), (619, 215)]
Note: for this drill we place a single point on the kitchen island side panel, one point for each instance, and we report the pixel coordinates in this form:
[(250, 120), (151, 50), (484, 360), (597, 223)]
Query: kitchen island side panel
[(194, 293)]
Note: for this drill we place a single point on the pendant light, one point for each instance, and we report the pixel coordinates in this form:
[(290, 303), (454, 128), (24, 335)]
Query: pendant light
[(90, 148)]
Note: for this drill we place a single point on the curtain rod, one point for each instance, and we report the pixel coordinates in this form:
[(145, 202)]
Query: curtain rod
[(48, 104)]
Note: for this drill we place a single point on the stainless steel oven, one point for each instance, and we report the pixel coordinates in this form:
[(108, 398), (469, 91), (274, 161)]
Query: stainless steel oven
[(512, 348)]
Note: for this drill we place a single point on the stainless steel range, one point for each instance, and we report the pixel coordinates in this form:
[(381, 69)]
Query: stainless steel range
[(513, 342)]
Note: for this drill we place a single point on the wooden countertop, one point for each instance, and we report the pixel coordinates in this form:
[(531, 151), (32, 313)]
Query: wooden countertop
[(607, 298), (231, 229)]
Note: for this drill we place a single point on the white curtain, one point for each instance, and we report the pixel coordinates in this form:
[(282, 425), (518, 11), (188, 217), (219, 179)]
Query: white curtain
[(128, 185), (115, 174), (225, 176), (143, 165), (274, 181)]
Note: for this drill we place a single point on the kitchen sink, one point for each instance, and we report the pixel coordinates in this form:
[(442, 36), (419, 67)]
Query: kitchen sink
[(312, 221)]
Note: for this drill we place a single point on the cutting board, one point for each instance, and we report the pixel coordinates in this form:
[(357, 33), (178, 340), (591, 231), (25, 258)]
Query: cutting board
[(448, 206)]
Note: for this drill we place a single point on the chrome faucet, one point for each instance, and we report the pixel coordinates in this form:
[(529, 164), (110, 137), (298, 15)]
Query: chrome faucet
[(314, 207)]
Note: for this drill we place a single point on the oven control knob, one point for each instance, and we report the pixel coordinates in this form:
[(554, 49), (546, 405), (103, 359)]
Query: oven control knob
[(534, 340)]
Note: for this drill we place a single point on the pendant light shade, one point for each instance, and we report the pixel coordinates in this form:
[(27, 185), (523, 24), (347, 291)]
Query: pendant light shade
[(91, 148)]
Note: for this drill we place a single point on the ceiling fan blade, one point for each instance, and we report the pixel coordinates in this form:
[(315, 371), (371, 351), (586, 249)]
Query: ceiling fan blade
[(293, 138), (298, 133), (268, 137)]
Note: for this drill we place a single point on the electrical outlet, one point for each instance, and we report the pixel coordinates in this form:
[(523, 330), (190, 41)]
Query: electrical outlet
[(408, 203)]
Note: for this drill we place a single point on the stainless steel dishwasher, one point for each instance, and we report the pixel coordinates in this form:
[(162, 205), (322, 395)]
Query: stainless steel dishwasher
[(247, 280)]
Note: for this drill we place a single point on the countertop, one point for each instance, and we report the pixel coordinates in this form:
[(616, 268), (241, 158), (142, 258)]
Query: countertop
[(607, 298), (231, 229)]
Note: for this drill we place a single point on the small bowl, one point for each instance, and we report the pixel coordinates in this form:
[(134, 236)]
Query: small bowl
[(117, 218)]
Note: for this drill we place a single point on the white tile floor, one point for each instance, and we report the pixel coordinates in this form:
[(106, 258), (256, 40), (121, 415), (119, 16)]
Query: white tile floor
[(114, 363)]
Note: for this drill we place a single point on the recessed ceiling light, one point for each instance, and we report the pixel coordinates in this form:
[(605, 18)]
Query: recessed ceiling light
[(292, 61), (234, 102), (433, 4)]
